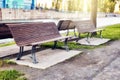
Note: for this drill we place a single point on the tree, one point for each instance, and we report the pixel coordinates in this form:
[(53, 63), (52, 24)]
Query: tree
[(74, 5), (94, 11), (56, 4), (106, 5)]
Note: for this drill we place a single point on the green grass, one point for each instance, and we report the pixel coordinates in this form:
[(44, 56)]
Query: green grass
[(7, 44), (72, 45), (111, 32), (11, 75), (6, 62)]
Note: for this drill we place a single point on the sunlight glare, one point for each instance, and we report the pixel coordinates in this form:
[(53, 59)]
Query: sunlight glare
[(43, 3), (85, 5)]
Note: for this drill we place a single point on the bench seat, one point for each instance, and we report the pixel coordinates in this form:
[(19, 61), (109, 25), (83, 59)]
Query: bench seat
[(50, 40)]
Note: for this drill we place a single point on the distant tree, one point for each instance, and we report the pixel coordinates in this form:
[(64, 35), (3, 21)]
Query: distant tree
[(106, 5), (56, 4), (70, 7), (74, 5)]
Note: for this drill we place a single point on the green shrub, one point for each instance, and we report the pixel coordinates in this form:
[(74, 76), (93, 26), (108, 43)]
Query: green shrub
[(10, 75)]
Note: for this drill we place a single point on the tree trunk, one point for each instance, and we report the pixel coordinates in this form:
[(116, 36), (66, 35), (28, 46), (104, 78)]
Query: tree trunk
[(56, 5), (94, 11)]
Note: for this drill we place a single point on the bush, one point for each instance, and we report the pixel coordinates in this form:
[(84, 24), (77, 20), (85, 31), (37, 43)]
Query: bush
[(10, 75), (108, 6)]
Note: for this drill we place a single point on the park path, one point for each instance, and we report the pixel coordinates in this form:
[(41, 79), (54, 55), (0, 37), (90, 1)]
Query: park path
[(104, 21), (98, 64)]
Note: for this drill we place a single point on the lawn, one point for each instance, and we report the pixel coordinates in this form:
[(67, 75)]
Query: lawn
[(7, 44), (111, 32)]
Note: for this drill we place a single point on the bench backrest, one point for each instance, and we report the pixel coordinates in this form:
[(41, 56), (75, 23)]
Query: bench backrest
[(64, 25), (59, 24), (84, 26), (25, 34), (4, 32), (71, 25)]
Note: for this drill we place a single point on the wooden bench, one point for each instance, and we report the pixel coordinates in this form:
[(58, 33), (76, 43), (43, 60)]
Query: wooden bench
[(33, 34), (5, 32), (87, 26), (67, 25)]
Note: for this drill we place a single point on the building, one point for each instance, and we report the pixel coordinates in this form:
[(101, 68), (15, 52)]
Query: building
[(18, 4)]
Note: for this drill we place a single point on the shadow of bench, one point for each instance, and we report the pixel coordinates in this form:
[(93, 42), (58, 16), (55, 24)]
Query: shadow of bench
[(34, 34)]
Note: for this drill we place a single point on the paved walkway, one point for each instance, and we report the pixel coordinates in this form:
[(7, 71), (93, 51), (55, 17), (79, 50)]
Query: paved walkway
[(97, 64), (101, 22)]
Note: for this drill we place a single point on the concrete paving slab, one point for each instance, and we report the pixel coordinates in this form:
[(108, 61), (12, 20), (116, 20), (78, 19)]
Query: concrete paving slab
[(10, 50), (93, 41), (47, 58)]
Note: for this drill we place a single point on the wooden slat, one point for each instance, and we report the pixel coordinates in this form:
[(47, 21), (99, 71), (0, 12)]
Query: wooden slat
[(25, 34), (86, 26)]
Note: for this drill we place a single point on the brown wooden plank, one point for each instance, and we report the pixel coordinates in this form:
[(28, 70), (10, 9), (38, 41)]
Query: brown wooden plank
[(25, 34)]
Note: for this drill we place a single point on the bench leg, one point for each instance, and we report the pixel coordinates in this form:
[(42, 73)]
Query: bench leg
[(67, 32), (55, 44), (66, 46), (33, 54), (101, 34), (78, 37), (92, 34), (20, 53), (75, 33), (88, 38)]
